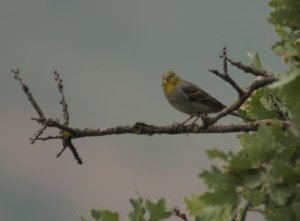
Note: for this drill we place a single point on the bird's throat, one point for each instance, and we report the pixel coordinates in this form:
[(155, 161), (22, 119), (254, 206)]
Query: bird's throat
[(169, 87)]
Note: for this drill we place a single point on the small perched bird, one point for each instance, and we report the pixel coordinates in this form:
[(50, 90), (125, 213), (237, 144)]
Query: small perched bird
[(189, 98)]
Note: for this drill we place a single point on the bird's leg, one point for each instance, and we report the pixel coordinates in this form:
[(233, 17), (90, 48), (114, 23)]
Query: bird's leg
[(192, 124), (187, 120), (195, 120), (204, 121), (182, 124)]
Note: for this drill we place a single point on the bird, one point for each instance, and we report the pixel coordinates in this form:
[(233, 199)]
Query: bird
[(188, 98)]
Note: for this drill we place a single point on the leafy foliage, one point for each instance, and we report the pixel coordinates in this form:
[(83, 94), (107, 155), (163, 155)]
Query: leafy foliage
[(265, 171), (142, 210)]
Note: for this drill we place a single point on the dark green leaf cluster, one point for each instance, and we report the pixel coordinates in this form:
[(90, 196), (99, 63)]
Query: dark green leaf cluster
[(265, 173), (142, 210), (286, 19)]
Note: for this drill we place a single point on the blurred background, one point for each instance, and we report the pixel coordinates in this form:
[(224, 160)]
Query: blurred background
[(111, 54)]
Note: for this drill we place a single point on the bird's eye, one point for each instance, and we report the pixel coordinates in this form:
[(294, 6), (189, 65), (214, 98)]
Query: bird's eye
[(171, 76)]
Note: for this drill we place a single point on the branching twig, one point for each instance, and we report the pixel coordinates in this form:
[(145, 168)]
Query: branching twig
[(68, 133), (265, 78), (48, 122), (258, 83), (227, 78), (67, 142), (248, 69), (38, 133)]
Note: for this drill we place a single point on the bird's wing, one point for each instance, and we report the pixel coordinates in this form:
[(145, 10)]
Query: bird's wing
[(194, 93)]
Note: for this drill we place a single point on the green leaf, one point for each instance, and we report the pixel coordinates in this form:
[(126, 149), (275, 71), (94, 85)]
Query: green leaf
[(157, 210), (138, 210), (96, 214), (286, 78), (279, 214), (296, 208), (296, 119), (258, 146), (255, 106), (217, 213), (215, 176), (251, 179), (198, 218), (278, 48), (283, 170), (194, 205), (285, 142), (239, 163), (275, 3), (219, 154), (107, 215), (197, 207), (255, 60), (285, 17), (219, 198), (280, 193), (289, 92), (257, 198)]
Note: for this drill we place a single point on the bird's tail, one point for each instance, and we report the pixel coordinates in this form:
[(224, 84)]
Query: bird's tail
[(236, 114)]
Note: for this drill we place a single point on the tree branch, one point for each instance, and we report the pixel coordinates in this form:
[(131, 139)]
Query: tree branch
[(140, 128), (67, 133)]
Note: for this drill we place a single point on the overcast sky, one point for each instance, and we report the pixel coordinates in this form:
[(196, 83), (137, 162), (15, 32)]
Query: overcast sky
[(111, 54)]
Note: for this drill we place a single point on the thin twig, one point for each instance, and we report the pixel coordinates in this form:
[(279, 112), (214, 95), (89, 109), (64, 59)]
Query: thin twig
[(228, 79), (60, 152), (28, 93), (38, 133), (224, 52), (179, 214), (58, 137), (63, 100), (66, 140), (248, 69)]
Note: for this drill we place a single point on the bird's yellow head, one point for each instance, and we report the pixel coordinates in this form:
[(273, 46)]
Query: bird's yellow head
[(170, 81)]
